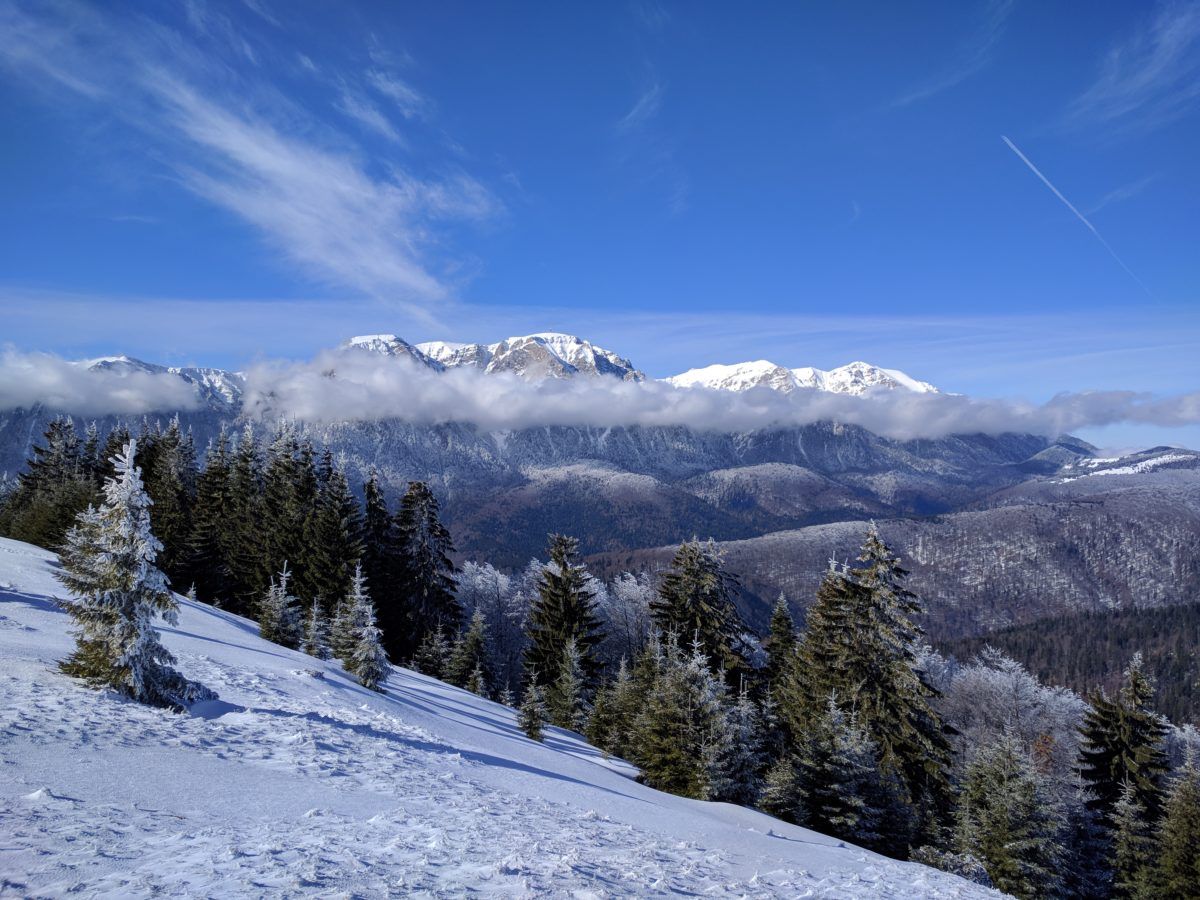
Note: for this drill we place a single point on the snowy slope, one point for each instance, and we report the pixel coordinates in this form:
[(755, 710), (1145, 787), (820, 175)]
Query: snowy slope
[(854, 378), (297, 780), (534, 356)]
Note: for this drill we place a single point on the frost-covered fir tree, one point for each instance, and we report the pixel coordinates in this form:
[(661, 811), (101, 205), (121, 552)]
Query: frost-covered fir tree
[(531, 718), (424, 594), (781, 794), (279, 613), (736, 764), (505, 697), (1008, 820), (367, 660), (844, 791), (316, 632), (433, 655), (470, 655), (677, 732), (478, 683), (108, 566), (565, 703)]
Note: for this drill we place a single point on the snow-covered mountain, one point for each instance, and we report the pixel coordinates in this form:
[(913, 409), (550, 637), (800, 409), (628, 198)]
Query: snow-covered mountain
[(299, 781), (854, 378), (216, 388), (535, 356)]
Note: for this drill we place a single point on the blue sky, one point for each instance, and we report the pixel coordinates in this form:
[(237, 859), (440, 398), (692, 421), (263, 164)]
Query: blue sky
[(685, 183)]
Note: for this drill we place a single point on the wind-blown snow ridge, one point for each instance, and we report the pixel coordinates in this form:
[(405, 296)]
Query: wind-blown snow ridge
[(297, 780)]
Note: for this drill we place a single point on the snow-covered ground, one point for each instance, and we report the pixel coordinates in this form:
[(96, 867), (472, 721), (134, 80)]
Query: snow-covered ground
[(297, 780)]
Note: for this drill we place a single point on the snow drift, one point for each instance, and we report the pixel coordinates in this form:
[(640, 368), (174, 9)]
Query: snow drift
[(298, 780)]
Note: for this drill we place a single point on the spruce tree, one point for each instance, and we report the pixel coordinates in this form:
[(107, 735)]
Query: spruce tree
[(780, 644), (55, 487), (1177, 873), (563, 612), (531, 718), (433, 655), (1007, 820), (696, 601), (1121, 745), (278, 613), (566, 706), (332, 542), (843, 790), (108, 565), (378, 538), (316, 632), (736, 763), (207, 560), (1133, 849), (171, 483), (469, 656), (781, 795), (244, 545), (861, 646), (367, 661), (424, 598)]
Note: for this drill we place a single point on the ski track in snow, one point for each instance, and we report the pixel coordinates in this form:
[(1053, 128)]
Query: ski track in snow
[(299, 781)]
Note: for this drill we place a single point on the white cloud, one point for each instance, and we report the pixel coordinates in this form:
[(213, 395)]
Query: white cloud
[(411, 102), (970, 59), (240, 143), (28, 379), (1149, 79)]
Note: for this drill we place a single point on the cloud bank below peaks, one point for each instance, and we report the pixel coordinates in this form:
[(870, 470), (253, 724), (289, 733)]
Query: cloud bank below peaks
[(340, 387)]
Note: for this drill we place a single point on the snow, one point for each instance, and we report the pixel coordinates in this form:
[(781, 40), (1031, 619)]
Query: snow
[(299, 780), (1133, 468), (854, 378)]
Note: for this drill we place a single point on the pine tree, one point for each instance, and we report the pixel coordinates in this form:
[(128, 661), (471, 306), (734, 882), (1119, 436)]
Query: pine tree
[(469, 656), (1177, 873), (506, 698), (1007, 820), (734, 770), (433, 655), (531, 718), (563, 612), (696, 602), (367, 660), (108, 565), (1121, 745), (1133, 847), (278, 613), (424, 598), (316, 632), (780, 643)]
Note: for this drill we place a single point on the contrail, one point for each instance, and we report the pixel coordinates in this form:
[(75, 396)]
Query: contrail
[(1082, 218)]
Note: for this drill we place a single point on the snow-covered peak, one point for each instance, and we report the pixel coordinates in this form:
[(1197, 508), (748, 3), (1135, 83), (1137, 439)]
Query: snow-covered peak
[(738, 377), (217, 388), (553, 355), (389, 345), (855, 378)]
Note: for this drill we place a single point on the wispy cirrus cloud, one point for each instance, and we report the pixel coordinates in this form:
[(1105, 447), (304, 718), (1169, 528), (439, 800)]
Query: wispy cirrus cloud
[(1149, 79), (232, 136), (1121, 194), (969, 59), (645, 149)]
